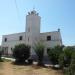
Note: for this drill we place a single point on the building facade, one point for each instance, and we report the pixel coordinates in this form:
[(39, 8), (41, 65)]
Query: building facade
[(31, 36)]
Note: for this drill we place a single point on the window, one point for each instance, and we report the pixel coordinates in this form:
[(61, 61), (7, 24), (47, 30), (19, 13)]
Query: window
[(20, 38), (28, 38), (5, 39), (48, 38)]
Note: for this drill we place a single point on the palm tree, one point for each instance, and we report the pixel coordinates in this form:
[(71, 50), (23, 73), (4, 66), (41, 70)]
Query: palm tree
[(39, 50)]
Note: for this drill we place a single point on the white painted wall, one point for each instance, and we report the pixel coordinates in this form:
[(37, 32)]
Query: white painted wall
[(12, 40), (55, 39), (32, 29), (33, 33)]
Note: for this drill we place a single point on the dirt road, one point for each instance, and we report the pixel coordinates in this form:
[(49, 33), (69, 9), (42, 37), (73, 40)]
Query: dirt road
[(6, 68)]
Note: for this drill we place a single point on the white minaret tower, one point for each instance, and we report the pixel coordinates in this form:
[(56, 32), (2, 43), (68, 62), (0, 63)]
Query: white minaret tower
[(32, 28)]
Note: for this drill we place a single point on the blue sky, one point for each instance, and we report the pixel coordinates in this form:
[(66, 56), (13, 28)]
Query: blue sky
[(54, 14)]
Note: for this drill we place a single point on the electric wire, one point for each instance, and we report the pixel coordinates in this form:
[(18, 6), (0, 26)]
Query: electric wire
[(17, 10)]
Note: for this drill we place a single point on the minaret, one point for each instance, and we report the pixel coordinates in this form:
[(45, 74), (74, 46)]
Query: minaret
[(32, 28)]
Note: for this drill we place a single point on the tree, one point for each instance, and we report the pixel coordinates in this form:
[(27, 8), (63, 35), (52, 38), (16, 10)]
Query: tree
[(54, 54), (67, 60), (21, 52), (1, 54), (61, 60), (68, 51), (39, 50), (72, 65), (70, 70)]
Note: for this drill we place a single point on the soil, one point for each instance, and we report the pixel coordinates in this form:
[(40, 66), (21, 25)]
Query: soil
[(7, 68)]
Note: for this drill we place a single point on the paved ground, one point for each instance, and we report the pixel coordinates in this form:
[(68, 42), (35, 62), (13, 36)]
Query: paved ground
[(6, 68)]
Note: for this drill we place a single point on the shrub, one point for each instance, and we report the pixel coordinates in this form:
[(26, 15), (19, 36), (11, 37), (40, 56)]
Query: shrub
[(68, 51), (54, 53), (66, 56), (70, 70), (61, 60), (1, 56), (30, 61), (21, 52), (39, 49)]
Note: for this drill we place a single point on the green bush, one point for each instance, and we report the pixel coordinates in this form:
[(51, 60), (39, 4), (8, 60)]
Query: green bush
[(1, 56), (54, 53), (70, 70), (66, 56), (67, 60), (68, 51), (61, 60), (30, 61), (21, 52), (39, 50)]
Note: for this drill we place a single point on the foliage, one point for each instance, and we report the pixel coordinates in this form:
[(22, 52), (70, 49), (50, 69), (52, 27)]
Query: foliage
[(66, 56), (39, 49), (72, 65), (0, 55), (68, 51), (21, 52), (71, 69), (61, 60), (54, 54), (30, 61), (67, 60)]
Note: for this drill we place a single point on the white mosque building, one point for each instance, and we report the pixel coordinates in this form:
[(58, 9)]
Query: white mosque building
[(31, 36)]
